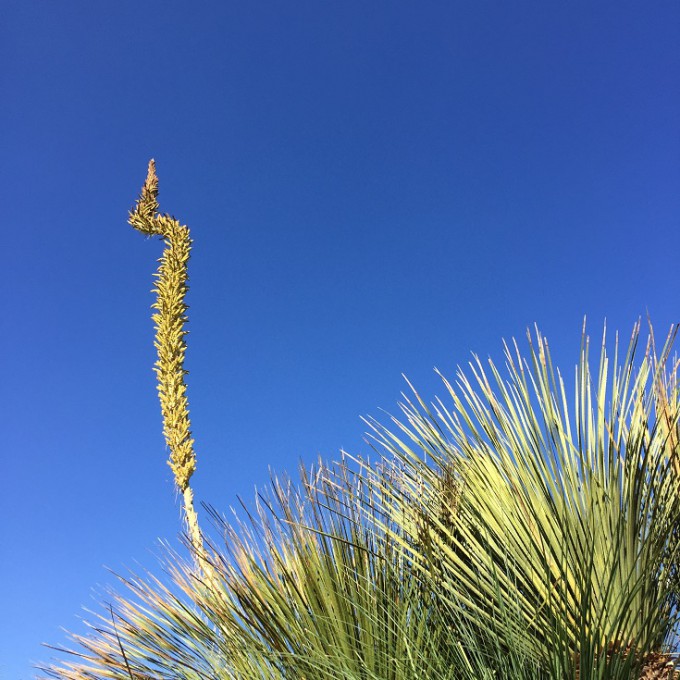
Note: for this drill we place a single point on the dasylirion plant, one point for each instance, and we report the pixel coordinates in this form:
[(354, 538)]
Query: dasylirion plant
[(513, 530)]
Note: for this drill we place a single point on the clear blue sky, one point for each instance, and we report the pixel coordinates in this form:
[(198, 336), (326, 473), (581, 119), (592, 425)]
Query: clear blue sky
[(373, 187)]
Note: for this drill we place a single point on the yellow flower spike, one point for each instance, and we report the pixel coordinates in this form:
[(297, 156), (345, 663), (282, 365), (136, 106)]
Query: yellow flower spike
[(169, 319)]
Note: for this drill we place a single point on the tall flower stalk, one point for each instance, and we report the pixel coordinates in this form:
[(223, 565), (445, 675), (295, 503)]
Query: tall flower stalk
[(170, 318)]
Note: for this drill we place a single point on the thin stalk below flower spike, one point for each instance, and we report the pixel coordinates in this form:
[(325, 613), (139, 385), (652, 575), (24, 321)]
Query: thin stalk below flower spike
[(170, 317)]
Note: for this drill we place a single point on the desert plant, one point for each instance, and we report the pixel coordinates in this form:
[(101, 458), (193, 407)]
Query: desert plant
[(504, 535), (570, 517)]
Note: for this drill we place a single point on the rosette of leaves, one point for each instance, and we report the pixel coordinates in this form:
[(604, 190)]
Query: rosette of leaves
[(516, 529)]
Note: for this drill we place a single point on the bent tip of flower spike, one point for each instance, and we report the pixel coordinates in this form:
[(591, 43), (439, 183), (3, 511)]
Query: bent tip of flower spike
[(143, 217)]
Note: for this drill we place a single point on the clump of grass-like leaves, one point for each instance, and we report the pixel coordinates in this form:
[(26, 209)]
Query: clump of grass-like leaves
[(516, 530)]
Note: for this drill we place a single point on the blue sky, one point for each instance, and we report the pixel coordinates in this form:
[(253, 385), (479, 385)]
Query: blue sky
[(374, 188)]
